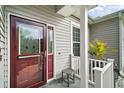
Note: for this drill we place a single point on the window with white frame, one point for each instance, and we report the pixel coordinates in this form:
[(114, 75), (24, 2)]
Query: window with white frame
[(76, 40)]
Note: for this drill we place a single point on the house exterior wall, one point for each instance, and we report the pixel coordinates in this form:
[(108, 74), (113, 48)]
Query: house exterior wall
[(2, 45), (47, 14), (108, 31)]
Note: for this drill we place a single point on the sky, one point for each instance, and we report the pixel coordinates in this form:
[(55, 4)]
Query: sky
[(103, 10)]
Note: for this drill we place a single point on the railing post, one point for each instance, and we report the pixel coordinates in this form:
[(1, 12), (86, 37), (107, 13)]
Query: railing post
[(110, 60), (112, 69), (104, 77), (98, 77)]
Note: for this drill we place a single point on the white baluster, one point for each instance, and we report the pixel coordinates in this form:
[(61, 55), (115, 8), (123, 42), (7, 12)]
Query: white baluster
[(76, 66), (95, 63), (99, 63), (104, 64), (79, 66), (91, 70)]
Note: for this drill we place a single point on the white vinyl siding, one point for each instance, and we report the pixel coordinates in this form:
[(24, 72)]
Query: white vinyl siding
[(108, 31), (2, 45), (46, 14)]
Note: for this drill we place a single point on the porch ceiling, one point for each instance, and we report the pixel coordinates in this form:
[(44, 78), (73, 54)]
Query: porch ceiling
[(96, 13), (74, 10)]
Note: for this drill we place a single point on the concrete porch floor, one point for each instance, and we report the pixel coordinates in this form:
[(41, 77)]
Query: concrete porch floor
[(60, 84)]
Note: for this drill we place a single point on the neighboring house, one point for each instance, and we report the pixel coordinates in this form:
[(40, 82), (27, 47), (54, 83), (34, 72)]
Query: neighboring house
[(63, 39)]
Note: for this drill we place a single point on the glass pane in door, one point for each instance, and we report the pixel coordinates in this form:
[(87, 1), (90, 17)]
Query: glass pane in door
[(31, 54), (29, 39), (50, 41)]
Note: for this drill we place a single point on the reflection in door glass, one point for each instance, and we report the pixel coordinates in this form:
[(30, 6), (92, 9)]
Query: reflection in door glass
[(50, 39), (29, 39)]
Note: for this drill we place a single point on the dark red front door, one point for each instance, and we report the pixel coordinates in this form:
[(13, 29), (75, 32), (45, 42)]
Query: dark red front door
[(50, 66), (27, 52)]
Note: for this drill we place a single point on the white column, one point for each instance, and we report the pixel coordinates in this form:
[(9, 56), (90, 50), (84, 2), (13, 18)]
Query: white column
[(84, 46), (121, 43)]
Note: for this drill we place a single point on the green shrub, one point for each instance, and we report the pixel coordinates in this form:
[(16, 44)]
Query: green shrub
[(97, 48)]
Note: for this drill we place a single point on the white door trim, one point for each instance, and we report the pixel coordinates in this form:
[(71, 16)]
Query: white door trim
[(54, 52)]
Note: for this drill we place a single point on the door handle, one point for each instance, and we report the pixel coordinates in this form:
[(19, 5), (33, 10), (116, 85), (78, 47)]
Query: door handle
[(44, 54), (41, 60)]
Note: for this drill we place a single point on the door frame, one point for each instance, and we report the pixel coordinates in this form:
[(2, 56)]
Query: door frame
[(13, 61), (8, 14), (54, 62)]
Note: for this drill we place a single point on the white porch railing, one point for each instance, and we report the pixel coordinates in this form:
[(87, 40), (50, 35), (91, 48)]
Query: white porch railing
[(75, 64), (95, 63), (96, 67), (104, 76)]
